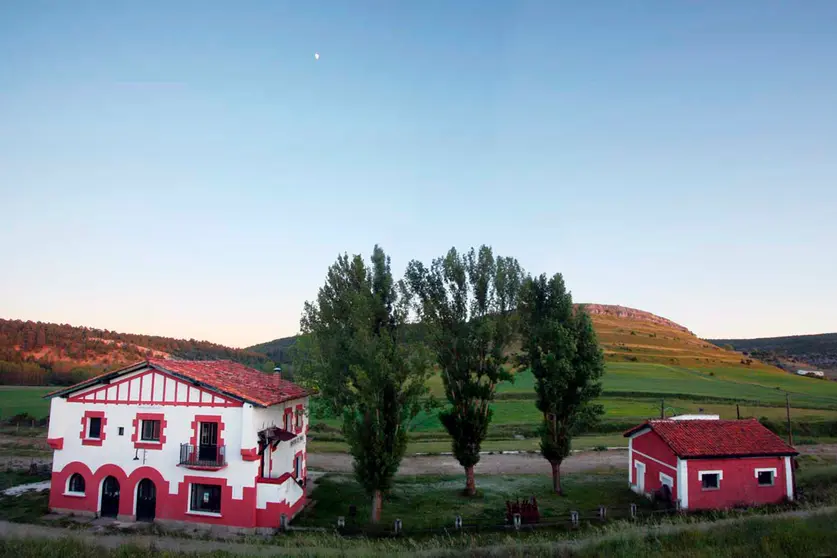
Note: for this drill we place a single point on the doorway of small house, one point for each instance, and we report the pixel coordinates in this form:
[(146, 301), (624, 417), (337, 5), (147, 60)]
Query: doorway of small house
[(110, 497), (208, 448), (146, 500), (640, 477)]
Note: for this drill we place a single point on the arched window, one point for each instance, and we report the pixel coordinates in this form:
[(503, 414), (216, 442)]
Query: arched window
[(76, 483)]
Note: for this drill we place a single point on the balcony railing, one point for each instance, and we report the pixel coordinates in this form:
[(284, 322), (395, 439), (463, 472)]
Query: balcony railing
[(203, 457)]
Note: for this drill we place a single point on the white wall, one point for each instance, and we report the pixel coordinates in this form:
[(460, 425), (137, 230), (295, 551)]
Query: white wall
[(65, 422), (281, 460)]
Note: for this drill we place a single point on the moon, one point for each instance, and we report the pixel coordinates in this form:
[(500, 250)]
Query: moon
[(316, 56)]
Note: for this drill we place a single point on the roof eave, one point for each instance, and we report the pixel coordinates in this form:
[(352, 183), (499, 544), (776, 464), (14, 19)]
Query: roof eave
[(636, 429), (739, 455), (101, 379)]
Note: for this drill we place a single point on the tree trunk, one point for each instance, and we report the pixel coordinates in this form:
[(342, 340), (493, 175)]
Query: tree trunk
[(470, 483), (556, 479), (377, 504)]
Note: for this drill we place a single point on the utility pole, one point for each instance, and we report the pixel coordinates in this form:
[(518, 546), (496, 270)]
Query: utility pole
[(787, 409), (737, 412), (662, 408)]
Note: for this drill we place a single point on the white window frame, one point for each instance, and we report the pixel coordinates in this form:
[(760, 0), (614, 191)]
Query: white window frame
[(87, 427), (720, 478), (772, 470), (666, 479), (190, 511), (68, 492)]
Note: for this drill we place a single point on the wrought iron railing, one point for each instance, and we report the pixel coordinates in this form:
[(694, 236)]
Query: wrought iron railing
[(203, 456)]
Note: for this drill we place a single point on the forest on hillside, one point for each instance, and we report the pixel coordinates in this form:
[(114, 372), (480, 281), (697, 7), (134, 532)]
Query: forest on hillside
[(38, 353)]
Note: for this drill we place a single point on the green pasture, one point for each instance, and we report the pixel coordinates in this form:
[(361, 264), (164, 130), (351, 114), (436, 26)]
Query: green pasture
[(24, 399), (442, 444), (733, 383)]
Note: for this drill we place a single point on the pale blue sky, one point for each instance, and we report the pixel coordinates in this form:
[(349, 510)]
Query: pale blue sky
[(188, 168)]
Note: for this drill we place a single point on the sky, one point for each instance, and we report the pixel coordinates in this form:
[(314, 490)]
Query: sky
[(189, 169)]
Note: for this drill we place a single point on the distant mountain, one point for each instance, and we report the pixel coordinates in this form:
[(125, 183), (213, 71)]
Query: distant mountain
[(816, 352), (625, 334), (38, 353)]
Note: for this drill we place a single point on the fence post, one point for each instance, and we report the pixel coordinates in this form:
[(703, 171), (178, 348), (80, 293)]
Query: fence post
[(397, 526), (341, 522), (457, 522), (517, 521), (574, 518), (633, 511), (678, 505), (283, 522), (602, 513)]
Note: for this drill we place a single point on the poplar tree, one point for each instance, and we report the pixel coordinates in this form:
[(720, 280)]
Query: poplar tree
[(560, 346), (465, 301), (352, 351)]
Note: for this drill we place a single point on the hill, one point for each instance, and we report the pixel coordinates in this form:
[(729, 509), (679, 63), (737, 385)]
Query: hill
[(38, 353), (626, 335), (817, 352)]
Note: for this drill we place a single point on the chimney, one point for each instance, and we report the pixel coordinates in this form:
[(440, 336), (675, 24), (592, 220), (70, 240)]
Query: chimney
[(278, 371)]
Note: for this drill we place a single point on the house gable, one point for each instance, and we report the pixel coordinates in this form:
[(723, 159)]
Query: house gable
[(149, 386)]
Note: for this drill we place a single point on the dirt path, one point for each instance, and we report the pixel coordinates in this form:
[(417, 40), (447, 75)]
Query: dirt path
[(496, 464), (291, 546)]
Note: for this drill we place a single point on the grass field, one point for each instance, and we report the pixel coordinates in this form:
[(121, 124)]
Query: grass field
[(428, 502), (24, 399)]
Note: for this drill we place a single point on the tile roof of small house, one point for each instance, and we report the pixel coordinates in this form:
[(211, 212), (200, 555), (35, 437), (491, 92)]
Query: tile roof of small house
[(224, 376), (717, 438)]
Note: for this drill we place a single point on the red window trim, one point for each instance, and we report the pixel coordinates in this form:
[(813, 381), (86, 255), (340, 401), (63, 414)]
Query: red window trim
[(288, 423), (299, 474), (85, 441), (136, 437), (206, 418), (298, 418)]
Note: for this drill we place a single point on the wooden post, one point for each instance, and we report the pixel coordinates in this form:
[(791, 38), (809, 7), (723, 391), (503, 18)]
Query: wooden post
[(737, 412), (662, 408), (787, 409)]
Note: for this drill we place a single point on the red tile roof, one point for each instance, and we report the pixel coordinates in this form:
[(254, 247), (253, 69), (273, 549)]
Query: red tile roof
[(231, 378), (717, 438)]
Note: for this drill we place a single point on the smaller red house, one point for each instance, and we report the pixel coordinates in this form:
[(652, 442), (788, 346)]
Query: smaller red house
[(710, 463)]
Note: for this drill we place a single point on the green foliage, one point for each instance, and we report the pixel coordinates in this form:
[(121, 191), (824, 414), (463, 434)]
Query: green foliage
[(38, 353), (353, 352), (560, 347), (465, 302)]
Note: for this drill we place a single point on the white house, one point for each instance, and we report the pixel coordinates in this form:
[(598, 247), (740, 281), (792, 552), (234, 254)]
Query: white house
[(168, 440)]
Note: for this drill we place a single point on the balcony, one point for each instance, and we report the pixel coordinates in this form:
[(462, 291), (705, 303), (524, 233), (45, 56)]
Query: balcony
[(204, 458)]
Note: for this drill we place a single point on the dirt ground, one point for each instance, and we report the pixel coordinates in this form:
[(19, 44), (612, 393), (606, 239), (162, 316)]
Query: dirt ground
[(502, 464), (496, 464)]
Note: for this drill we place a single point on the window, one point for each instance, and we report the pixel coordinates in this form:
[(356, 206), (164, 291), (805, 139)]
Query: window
[(299, 419), (76, 484), (206, 498), (710, 481), (94, 428), (297, 466), (121, 430), (287, 421), (150, 431), (766, 477)]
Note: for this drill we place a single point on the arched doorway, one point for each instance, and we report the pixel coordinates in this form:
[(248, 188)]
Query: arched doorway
[(146, 500), (110, 497)]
